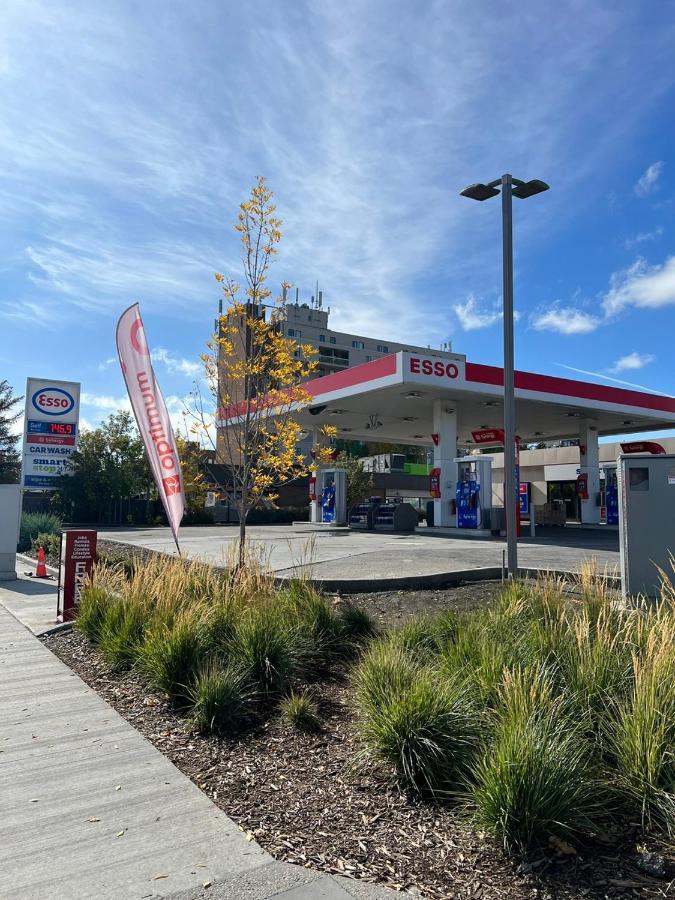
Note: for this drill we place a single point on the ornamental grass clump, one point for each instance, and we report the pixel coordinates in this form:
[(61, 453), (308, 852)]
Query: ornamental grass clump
[(221, 699), (426, 728), (269, 648), (640, 733), (121, 632), (95, 599), (356, 625), (301, 711), (536, 778), (310, 613), (171, 655)]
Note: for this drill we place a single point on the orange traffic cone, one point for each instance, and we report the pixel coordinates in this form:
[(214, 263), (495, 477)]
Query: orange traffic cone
[(41, 570)]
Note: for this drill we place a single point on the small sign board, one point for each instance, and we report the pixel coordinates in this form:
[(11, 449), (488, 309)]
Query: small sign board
[(524, 497), (78, 555)]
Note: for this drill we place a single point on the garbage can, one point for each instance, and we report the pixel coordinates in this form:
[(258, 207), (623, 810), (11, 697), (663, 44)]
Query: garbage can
[(430, 513)]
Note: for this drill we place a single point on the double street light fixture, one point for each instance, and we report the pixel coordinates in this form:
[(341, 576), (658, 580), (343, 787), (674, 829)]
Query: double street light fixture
[(510, 187)]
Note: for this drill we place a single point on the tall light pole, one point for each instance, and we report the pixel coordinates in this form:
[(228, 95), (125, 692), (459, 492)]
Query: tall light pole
[(510, 187)]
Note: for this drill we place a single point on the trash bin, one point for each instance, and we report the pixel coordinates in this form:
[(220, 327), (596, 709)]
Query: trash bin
[(430, 513)]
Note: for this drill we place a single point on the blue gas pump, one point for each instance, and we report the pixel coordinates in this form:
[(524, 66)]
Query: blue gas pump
[(474, 492), (468, 502), (611, 497), (328, 503)]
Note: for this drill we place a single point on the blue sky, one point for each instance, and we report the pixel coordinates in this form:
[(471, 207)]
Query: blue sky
[(130, 132)]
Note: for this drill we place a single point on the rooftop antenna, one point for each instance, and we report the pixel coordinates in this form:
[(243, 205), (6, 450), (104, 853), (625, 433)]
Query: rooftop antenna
[(284, 291), (317, 293), (320, 299), (297, 295)]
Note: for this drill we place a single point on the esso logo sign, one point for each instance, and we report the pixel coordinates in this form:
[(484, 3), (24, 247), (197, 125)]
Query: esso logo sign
[(53, 401), (438, 367)]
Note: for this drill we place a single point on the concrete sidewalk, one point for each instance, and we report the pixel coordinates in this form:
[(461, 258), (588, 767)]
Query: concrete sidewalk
[(92, 809)]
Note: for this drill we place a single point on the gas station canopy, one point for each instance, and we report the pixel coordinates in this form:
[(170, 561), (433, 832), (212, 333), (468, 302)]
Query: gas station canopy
[(392, 399)]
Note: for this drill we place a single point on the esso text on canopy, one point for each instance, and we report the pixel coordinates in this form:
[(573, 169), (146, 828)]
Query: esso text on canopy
[(53, 401), (439, 367)]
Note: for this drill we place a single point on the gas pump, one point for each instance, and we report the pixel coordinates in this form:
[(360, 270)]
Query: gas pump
[(333, 496), (611, 494), (474, 492)]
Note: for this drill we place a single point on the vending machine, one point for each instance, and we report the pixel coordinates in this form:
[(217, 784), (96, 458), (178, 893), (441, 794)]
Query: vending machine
[(474, 492)]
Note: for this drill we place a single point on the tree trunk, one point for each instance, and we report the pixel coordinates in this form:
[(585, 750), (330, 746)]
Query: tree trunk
[(242, 539)]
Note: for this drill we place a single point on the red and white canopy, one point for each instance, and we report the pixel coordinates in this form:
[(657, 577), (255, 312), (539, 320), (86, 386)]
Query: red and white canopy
[(392, 398)]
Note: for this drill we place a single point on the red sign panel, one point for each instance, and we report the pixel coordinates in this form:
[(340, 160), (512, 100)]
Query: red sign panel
[(78, 554), (642, 447), (488, 436)]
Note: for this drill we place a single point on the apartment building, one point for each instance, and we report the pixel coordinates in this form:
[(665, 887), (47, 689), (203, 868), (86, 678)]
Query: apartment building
[(308, 324)]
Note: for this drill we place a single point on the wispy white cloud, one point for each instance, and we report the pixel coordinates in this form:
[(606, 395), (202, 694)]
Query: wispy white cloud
[(177, 364), (641, 286), (104, 402), (648, 181), (632, 361), (643, 236), (102, 366), (603, 377), (474, 314), (565, 320)]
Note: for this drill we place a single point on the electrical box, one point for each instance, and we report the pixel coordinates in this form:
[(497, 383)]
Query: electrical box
[(646, 486)]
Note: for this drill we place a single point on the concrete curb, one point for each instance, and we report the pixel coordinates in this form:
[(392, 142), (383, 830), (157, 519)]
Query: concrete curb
[(435, 580)]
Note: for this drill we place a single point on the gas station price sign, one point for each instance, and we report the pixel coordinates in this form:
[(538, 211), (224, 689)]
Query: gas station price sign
[(50, 431)]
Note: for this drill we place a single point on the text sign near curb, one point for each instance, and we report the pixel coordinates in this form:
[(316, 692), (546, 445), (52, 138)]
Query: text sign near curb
[(78, 555), (50, 431)]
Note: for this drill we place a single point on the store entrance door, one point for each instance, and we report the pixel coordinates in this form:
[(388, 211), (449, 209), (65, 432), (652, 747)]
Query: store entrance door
[(567, 492)]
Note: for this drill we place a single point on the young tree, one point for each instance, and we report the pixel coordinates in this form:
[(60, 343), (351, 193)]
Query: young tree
[(360, 484), (108, 467), (10, 460), (255, 373)]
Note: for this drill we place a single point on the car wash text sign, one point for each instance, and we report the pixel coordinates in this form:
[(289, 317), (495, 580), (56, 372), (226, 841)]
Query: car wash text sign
[(50, 431)]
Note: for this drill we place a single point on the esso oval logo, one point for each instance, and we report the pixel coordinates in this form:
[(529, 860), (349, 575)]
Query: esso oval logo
[(53, 401)]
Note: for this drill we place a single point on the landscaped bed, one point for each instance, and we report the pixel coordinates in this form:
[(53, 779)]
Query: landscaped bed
[(525, 751)]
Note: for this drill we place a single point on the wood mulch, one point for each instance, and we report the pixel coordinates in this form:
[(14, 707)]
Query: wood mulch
[(306, 800)]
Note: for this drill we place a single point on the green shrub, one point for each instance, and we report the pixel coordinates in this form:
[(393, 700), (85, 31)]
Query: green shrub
[(535, 778), (221, 698), (268, 648), (301, 711), (356, 625), (171, 655), (121, 633), (50, 543), (33, 524), (95, 601)]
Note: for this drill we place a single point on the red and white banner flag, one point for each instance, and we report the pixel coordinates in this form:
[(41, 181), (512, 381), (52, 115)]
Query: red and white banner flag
[(151, 414)]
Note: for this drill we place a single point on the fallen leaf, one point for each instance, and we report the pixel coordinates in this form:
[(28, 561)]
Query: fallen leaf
[(93, 819), (120, 833), (34, 800), (562, 846), (206, 884), (157, 877), (119, 787), (249, 835)]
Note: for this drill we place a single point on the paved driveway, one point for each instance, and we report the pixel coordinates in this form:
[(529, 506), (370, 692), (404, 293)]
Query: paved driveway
[(359, 557)]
